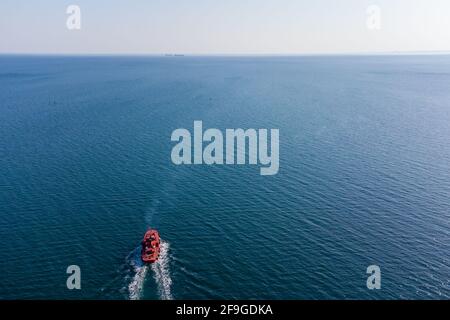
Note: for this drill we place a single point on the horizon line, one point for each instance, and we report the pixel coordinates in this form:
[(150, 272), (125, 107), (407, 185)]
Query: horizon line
[(177, 54)]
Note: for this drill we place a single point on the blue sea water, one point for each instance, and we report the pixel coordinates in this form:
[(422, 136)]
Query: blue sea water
[(364, 177)]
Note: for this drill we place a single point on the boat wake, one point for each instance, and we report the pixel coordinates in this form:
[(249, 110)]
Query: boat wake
[(161, 274), (139, 270)]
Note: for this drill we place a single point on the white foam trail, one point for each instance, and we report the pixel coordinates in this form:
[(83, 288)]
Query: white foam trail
[(137, 283), (161, 272)]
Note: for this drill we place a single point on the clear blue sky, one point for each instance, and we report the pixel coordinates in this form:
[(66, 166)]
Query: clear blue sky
[(224, 27)]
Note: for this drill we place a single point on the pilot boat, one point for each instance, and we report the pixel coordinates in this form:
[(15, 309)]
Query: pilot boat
[(150, 246)]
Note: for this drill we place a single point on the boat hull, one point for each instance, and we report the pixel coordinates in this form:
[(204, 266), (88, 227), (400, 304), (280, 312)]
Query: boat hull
[(150, 246)]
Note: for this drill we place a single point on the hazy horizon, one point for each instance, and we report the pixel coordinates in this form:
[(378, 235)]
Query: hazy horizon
[(130, 54), (199, 27)]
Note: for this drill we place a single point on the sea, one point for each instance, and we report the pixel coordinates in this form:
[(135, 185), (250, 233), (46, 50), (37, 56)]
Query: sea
[(364, 177)]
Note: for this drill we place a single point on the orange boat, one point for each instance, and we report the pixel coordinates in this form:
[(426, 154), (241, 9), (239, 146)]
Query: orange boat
[(150, 246)]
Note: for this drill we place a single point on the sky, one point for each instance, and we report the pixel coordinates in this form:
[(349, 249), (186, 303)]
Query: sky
[(225, 26)]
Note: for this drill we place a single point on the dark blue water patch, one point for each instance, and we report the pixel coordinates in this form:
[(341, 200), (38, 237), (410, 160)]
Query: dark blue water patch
[(364, 177)]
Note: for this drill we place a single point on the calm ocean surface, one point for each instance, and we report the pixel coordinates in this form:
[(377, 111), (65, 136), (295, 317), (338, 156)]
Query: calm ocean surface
[(364, 177)]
